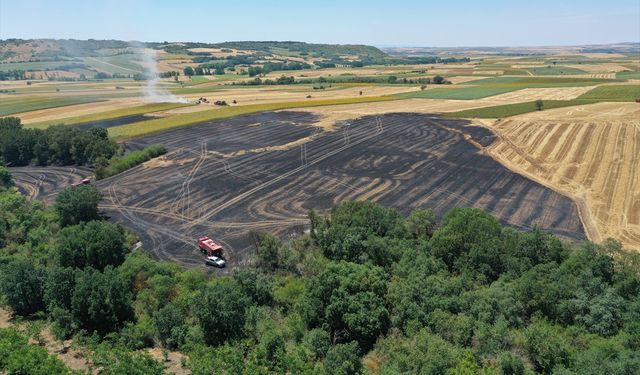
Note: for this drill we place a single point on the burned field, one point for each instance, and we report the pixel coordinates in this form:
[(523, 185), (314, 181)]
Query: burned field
[(44, 183), (264, 172)]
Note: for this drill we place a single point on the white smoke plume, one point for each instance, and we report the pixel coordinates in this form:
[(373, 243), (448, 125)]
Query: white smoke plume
[(153, 92)]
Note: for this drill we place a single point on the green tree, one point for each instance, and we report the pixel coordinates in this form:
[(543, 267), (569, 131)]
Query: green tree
[(170, 323), (470, 240), (21, 283), (546, 346), (268, 251), (6, 180), (254, 284), (96, 244), (343, 359), (101, 301), (220, 309), (421, 223), (349, 299), (77, 204), (539, 104), (188, 71)]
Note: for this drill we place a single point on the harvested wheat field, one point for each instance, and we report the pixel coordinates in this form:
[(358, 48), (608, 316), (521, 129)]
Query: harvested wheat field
[(60, 113), (589, 152), (526, 95)]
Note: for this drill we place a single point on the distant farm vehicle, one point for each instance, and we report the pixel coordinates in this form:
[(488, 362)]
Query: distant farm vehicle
[(637, 100), (220, 102), (119, 88), (215, 261), (202, 100), (209, 247), (84, 181)]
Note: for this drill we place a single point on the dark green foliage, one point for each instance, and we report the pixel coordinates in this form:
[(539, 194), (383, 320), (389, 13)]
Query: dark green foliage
[(170, 324), (254, 284), (349, 299), (468, 298), (546, 347), (470, 241), (353, 229), (21, 283), (343, 359), (94, 244), (317, 342), (6, 180), (101, 301), (220, 309), (421, 223), (268, 251), (60, 145), (510, 364), (78, 204), (119, 164)]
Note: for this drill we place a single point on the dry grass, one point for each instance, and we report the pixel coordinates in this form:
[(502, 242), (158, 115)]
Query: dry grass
[(591, 153)]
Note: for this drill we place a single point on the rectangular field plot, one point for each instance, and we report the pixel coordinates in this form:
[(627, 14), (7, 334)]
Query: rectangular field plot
[(264, 172)]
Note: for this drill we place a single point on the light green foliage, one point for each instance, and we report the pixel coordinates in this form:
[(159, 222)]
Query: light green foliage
[(120, 164), (32, 103), (17, 356)]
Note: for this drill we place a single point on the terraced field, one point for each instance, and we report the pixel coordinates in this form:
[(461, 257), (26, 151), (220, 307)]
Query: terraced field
[(263, 172)]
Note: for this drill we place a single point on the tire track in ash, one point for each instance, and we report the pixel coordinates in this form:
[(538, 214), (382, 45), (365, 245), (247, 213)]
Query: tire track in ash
[(246, 194)]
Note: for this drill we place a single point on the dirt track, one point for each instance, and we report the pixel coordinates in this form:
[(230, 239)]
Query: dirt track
[(43, 183), (210, 184)]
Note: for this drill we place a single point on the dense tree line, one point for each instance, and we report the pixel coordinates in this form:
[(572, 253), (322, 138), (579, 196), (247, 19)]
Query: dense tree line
[(59, 145), (368, 290), (17, 74)]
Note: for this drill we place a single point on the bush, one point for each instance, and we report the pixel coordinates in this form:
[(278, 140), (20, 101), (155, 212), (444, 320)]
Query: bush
[(122, 163)]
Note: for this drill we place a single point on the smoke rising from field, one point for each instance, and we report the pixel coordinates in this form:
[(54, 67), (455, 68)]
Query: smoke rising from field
[(153, 92)]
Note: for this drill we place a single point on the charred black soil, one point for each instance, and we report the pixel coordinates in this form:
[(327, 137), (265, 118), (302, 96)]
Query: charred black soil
[(219, 180)]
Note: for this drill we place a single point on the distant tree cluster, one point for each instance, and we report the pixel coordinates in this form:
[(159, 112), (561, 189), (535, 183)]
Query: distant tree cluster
[(17, 75), (59, 145)]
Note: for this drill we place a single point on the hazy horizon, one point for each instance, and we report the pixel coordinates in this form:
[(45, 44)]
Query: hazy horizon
[(404, 23)]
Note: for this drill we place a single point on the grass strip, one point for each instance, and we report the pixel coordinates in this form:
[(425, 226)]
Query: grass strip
[(108, 115), (613, 93), (464, 93), (119, 164), (9, 106), (153, 126), (507, 110)]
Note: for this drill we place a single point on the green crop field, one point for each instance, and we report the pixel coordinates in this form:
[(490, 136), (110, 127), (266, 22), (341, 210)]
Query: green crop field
[(628, 75), (506, 110), (108, 115), (151, 126), (38, 65), (464, 93), (613, 93), (32, 103), (554, 70), (541, 82)]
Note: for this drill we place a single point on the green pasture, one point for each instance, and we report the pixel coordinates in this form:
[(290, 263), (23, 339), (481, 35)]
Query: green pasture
[(13, 105)]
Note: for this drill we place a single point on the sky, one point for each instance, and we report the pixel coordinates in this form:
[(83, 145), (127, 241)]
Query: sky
[(443, 23)]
